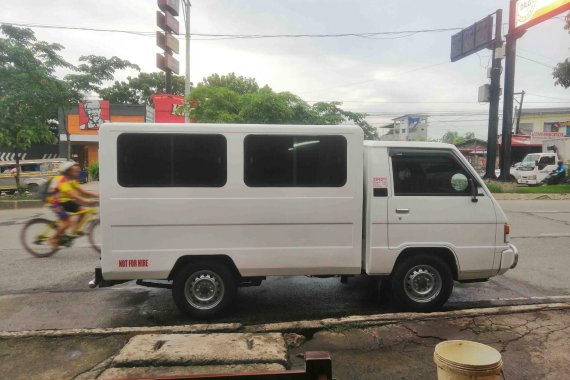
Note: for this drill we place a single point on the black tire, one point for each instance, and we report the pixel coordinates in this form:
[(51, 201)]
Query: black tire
[(33, 243), (214, 280), (92, 234), (421, 283)]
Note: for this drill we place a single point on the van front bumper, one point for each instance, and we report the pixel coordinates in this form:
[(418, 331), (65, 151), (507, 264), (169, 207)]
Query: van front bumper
[(509, 258)]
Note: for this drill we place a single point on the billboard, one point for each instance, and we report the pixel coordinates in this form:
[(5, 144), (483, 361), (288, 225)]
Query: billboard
[(472, 39), (531, 12)]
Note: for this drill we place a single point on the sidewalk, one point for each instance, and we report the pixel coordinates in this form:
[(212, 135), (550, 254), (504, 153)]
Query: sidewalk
[(532, 340)]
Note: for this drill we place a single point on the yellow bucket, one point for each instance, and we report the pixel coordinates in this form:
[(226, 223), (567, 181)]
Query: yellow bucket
[(466, 360)]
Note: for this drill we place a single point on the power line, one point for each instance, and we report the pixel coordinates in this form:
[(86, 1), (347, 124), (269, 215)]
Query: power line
[(546, 97), (370, 35), (537, 62)]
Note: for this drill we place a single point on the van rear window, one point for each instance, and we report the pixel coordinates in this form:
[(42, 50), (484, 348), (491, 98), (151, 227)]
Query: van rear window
[(171, 160), (295, 161)]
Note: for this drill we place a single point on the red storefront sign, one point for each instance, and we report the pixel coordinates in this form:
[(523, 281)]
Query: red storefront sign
[(165, 108)]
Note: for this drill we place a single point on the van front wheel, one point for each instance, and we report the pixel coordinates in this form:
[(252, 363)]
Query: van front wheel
[(204, 290), (422, 283)]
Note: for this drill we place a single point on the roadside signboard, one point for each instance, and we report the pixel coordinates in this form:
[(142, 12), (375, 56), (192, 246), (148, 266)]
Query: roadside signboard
[(472, 39)]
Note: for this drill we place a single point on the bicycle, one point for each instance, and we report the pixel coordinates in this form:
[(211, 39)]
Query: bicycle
[(36, 232)]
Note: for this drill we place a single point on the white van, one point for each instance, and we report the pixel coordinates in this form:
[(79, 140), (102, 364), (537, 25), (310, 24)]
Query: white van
[(211, 207)]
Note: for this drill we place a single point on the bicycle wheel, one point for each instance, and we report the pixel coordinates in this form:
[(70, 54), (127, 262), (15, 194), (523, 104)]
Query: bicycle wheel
[(34, 237), (94, 234)]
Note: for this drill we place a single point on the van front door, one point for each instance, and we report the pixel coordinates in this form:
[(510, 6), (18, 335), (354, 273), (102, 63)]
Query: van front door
[(432, 206)]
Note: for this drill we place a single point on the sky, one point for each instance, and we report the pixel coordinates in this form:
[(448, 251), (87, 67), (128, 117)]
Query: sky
[(385, 75)]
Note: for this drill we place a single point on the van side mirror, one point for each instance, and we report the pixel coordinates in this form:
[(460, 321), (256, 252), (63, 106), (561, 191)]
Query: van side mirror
[(473, 187)]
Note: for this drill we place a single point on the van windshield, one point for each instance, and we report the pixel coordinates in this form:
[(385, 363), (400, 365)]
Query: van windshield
[(530, 160)]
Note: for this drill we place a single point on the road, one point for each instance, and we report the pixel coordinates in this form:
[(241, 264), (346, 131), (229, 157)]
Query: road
[(52, 293)]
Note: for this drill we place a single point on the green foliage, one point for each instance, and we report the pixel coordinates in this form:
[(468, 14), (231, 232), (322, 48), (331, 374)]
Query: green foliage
[(561, 72), (240, 85), (494, 187), (94, 71), (93, 170), (236, 99), (451, 137), (30, 91), (139, 90)]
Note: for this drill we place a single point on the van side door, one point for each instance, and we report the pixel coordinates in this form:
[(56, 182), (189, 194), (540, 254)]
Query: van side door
[(432, 206)]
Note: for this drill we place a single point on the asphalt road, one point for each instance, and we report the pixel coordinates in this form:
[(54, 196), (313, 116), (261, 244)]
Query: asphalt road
[(52, 292)]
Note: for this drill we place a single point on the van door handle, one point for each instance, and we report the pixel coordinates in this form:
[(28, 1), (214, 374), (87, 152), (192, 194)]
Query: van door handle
[(402, 211)]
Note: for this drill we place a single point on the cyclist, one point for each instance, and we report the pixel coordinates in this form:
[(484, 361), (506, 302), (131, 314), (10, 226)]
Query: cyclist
[(67, 198)]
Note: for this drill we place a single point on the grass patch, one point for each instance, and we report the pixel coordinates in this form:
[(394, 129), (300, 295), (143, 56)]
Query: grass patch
[(501, 187), (548, 189)]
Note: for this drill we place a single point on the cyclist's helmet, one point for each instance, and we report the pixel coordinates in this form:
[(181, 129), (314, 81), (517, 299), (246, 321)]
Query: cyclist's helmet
[(63, 168)]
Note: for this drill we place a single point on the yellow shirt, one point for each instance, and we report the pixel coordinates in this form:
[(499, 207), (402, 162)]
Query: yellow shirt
[(63, 187)]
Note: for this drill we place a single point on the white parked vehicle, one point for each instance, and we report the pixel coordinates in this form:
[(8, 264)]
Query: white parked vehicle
[(211, 207), (535, 167)]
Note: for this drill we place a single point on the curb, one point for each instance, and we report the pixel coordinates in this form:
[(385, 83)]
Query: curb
[(17, 204), (356, 320), (530, 197)]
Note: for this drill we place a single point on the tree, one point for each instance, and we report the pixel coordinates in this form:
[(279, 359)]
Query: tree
[(236, 99), (30, 91), (561, 71), (139, 90), (451, 137), (240, 85)]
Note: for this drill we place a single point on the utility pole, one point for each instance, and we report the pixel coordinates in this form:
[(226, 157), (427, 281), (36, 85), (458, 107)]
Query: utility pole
[(510, 60), (186, 11), (517, 129), (495, 95)]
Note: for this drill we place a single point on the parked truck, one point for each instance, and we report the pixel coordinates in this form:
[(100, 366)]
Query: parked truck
[(207, 208), (535, 167)]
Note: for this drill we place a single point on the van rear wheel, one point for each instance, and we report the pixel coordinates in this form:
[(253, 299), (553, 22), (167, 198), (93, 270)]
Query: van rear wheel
[(422, 283), (204, 290)]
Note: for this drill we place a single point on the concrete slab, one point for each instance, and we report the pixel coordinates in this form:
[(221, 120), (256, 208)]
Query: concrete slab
[(123, 373), (202, 349), (57, 358)]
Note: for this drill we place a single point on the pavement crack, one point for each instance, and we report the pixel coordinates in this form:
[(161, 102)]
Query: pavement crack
[(438, 338)]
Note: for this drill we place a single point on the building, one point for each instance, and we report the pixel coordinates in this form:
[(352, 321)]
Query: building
[(411, 127), (541, 123), (537, 125), (475, 151), (83, 121)]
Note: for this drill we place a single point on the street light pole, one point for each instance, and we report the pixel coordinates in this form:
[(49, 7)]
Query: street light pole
[(186, 10)]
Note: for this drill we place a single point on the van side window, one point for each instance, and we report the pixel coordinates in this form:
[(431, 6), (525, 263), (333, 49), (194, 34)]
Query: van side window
[(295, 161), (171, 160), (429, 174)]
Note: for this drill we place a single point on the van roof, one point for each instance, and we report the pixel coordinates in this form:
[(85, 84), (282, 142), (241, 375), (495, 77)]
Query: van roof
[(408, 144), (229, 128)]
